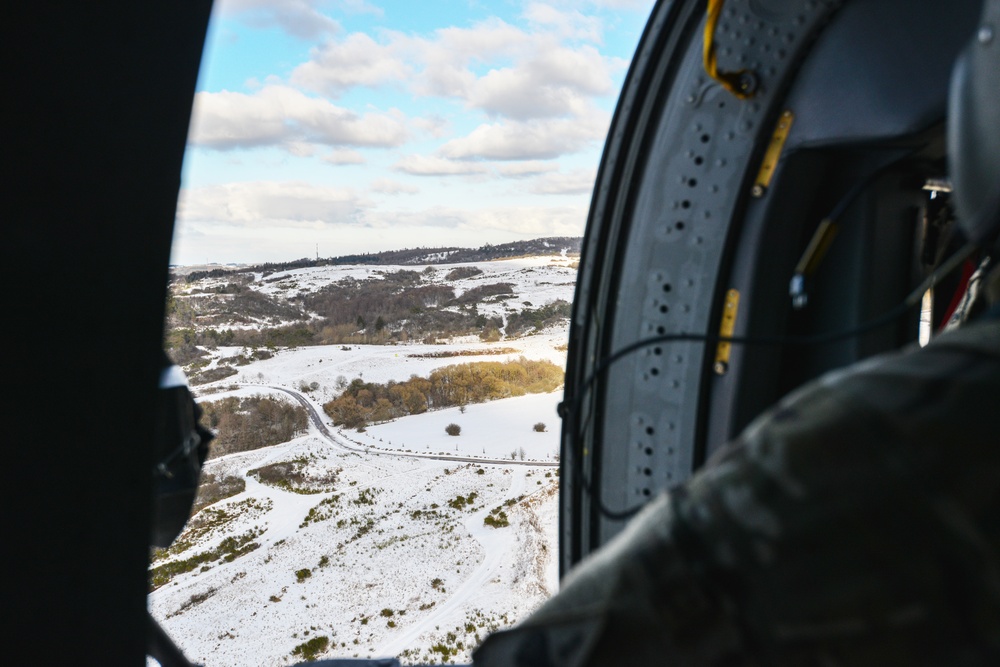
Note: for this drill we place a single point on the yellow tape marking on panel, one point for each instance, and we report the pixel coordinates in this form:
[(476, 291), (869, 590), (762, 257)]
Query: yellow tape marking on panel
[(773, 153), (729, 311)]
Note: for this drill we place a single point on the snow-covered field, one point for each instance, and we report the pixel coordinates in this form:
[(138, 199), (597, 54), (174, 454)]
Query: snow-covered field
[(324, 364), (391, 557)]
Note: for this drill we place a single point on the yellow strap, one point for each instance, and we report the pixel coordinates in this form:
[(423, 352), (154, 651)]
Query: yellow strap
[(728, 80)]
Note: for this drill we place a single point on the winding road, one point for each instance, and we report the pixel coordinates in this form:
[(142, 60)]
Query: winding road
[(343, 443)]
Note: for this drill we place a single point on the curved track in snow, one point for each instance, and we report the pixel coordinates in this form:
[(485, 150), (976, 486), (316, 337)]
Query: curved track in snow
[(339, 441)]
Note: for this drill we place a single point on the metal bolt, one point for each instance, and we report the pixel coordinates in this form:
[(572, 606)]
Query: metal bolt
[(721, 367), (757, 191), (985, 34), (748, 82)]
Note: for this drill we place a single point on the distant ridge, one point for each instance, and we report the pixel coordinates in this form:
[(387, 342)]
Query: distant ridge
[(553, 245)]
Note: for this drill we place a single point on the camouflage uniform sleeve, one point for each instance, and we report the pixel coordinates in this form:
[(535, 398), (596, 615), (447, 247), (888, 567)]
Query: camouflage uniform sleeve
[(855, 523)]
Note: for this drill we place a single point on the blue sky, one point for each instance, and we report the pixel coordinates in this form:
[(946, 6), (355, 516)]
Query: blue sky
[(345, 126)]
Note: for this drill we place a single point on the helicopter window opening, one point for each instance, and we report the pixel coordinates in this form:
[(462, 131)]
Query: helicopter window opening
[(326, 163)]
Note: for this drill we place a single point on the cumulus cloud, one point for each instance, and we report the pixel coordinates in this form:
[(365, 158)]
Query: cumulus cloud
[(493, 66), (427, 165), (435, 125), (635, 5), (576, 182), (299, 18), (390, 187), (529, 140), (536, 76), (526, 169), (484, 41), (261, 204), (566, 24), (530, 221), (344, 156), (297, 205), (358, 60), (555, 82), (282, 116)]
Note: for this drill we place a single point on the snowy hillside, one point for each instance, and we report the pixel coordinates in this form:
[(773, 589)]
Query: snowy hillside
[(396, 541)]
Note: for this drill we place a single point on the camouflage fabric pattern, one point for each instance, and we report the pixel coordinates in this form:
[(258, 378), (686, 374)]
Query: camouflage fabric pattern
[(855, 523)]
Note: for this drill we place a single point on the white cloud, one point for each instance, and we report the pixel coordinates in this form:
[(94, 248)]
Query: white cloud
[(358, 60), (565, 24), (425, 165), (635, 5), (527, 168), (529, 140), (576, 182), (266, 203), (435, 125), (297, 205), (528, 221), (528, 73), (283, 116), (300, 18), (390, 187), (301, 148), (344, 156), (554, 82), (486, 40)]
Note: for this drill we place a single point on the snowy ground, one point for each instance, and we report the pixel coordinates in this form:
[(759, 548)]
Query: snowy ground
[(324, 364), (388, 557), (438, 571), (495, 430), (535, 281)]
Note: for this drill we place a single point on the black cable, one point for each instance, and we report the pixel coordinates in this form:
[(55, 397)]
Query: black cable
[(571, 407)]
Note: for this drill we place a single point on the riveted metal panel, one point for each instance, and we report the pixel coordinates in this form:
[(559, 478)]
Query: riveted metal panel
[(703, 152)]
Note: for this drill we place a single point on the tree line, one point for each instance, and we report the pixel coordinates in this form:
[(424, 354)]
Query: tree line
[(364, 403), (447, 255), (251, 422)]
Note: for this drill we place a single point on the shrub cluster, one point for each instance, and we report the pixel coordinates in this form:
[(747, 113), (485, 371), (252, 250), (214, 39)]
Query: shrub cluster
[(529, 320), (461, 272), (312, 649), (459, 502), (228, 550), (212, 489), (292, 476), (363, 403), (252, 422)]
